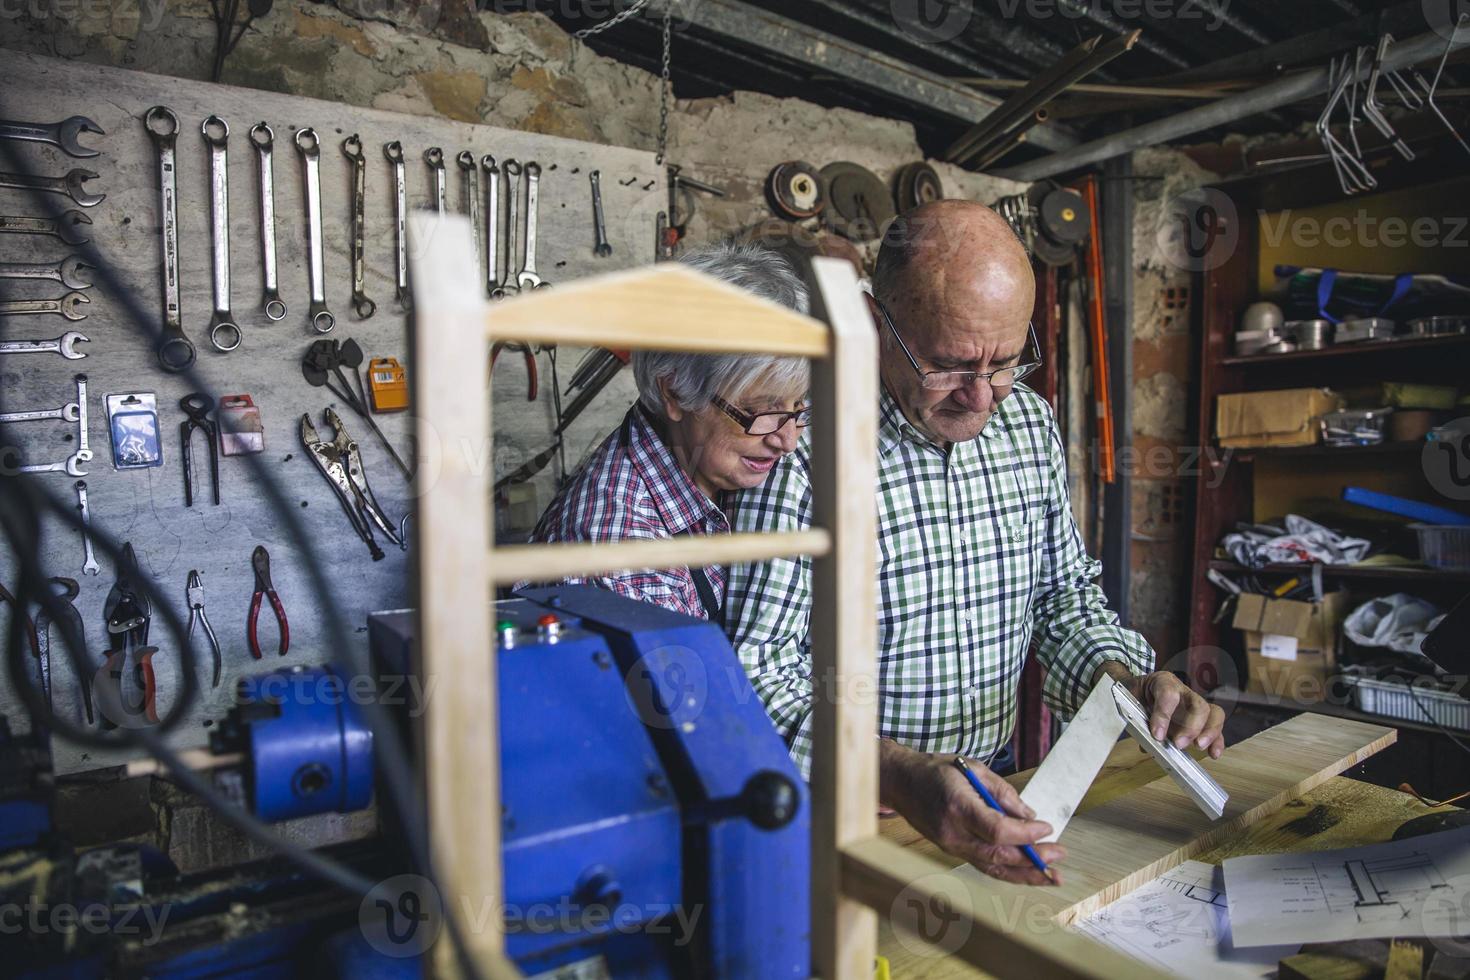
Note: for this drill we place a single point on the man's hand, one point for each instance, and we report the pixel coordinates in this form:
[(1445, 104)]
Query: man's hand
[(1176, 713), (941, 804)]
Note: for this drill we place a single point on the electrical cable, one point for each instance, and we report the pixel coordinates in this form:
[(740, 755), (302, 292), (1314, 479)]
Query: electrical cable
[(25, 499)]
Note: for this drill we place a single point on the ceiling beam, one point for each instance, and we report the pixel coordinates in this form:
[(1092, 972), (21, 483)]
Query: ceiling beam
[(828, 54)]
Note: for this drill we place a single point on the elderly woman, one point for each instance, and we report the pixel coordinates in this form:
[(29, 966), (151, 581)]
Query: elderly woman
[(703, 424)]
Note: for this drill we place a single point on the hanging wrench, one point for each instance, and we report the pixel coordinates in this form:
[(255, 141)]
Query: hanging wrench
[(68, 271), (90, 567), (527, 278), (434, 157), (270, 298), (63, 134), (69, 184), (63, 229), (466, 161), (393, 151), (66, 306), (72, 465), (62, 345), (70, 412), (307, 142), (352, 149), (512, 206), (84, 452), (492, 224), (601, 249), (224, 333), (175, 351)]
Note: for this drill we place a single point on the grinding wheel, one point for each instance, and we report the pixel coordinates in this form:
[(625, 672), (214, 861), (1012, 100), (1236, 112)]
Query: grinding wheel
[(859, 205), (794, 190), (1063, 217), (917, 183)]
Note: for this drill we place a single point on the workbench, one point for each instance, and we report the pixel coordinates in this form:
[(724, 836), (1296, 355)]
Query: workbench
[(1342, 812)]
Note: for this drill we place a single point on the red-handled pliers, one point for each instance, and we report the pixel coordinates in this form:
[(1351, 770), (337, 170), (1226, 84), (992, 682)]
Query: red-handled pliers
[(260, 560)]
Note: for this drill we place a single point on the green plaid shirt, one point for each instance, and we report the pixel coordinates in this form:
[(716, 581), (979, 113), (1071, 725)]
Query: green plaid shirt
[(978, 554)]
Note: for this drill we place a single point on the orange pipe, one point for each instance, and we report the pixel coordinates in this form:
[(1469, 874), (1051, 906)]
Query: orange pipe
[(1098, 332)]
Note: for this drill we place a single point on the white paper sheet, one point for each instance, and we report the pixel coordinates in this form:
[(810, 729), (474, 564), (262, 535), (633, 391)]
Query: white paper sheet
[(1179, 923), (1414, 887)]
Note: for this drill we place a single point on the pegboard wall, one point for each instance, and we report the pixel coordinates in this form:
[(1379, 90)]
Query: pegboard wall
[(146, 506)]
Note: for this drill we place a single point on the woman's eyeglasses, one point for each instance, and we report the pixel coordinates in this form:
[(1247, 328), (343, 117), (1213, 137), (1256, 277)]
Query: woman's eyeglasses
[(954, 380), (763, 423)]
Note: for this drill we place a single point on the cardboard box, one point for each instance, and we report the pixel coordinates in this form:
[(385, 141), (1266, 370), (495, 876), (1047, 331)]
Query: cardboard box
[(1254, 419), (1291, 647)]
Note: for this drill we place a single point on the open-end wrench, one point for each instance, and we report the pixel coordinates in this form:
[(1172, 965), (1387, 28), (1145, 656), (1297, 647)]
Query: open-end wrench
[(512, 170), (527, 277), (65, 306), (601, 249), (68, 271), (72, 465), (90, 566), (263, 139), (69, 184), (63, 345), (224, 333), (393, 151), (310, 146), (64, 229), (70, 412), (63, 134), (492, 223), (352, 149), (434, 157), (466, 161), (175, 351)]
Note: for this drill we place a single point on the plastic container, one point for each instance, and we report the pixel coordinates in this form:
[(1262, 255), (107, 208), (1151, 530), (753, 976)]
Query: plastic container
[(1355, 427), (1425, 705), (1444, 546)]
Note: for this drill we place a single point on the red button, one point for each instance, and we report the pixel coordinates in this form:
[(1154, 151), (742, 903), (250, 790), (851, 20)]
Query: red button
[(547, 620)]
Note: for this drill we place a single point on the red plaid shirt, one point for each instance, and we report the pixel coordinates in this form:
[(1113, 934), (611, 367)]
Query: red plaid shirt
[(632, 487)]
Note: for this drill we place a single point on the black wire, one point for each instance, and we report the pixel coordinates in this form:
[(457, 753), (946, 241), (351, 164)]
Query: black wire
[(23, 503)]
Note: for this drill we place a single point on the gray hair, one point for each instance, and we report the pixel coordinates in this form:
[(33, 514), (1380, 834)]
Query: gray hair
[(693, 379)]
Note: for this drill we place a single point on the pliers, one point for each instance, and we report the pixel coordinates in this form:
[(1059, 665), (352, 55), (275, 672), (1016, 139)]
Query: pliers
[(42, 675), (128, 613), (194, 591), (530, 357), (78, 636), (260, 560)]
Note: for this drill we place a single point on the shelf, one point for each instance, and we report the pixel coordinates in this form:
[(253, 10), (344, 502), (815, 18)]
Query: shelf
[(1412, 447), (1380, 573), (1230, 695), (1349, 350)]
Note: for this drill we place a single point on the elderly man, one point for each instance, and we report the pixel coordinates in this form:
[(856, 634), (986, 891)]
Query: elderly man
[(979, 555)]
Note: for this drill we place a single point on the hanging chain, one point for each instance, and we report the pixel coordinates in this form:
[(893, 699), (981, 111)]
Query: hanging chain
[(664, 87), (613, 21)]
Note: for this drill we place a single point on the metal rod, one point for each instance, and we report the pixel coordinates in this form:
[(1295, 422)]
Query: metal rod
[(1227, 110)]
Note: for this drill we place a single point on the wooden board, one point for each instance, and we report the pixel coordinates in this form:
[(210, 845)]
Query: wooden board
[(146, 506)]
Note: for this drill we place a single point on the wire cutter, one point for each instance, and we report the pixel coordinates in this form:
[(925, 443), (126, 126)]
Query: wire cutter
[(260, 560), (197, 407), (194, 591)]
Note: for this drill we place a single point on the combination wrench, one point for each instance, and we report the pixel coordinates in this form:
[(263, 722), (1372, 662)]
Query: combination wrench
[(65, 306), (63, 229), (527, 277), (352, 149), (601, 249), (68, 271), (492, 224), (471, 170), (434, 157), (307, 142), (263, 139), (70, 412), (224, 333), (90, 566), (393, 152), (63, 134), (512, 170), (65, 345), (69, 185), (174, 351), (72, 465)]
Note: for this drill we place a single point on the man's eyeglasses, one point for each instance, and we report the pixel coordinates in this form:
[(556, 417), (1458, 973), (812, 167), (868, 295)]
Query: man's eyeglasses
[(954, 380), (764, 423)]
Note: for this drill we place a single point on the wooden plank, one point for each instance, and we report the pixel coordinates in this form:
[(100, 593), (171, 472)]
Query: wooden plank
[(461, 731), (844, 631), (694, 312), (959, 915), (552, 563)]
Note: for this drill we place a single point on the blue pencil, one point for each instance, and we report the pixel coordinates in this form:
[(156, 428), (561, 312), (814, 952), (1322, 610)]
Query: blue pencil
[(1026, 849)]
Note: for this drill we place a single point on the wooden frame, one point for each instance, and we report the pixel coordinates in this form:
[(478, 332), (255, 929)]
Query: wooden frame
[(854, 870)]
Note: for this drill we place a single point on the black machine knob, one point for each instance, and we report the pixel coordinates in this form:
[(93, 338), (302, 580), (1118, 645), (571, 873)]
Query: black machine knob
[(770, 799)]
